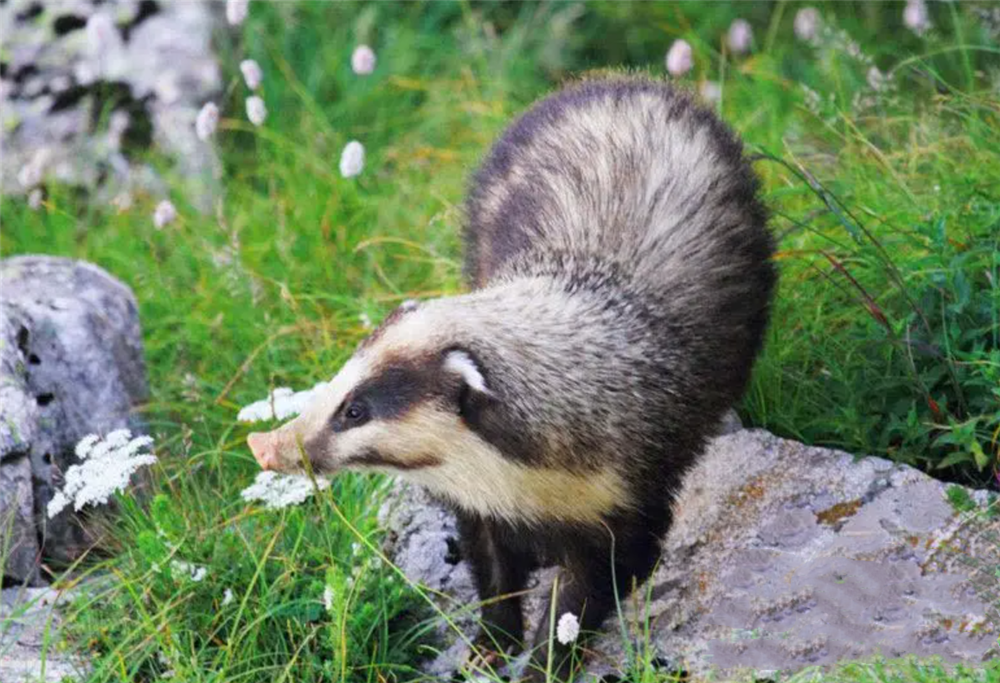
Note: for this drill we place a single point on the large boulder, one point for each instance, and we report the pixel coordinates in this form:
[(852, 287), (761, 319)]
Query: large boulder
[(781, 556), (71, 364), (90, 87)]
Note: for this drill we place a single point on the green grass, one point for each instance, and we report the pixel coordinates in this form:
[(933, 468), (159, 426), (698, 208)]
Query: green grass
[(884, 340)]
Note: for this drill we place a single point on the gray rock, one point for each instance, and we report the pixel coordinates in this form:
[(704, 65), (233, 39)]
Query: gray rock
[(782, 556), (19, 551), (29, 626), (71, 364), (92, 86)]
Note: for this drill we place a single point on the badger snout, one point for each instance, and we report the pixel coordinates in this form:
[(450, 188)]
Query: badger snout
[(264, 449)]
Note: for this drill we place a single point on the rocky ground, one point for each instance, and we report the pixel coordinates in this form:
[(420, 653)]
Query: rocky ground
[(782, 556), (29, 628)]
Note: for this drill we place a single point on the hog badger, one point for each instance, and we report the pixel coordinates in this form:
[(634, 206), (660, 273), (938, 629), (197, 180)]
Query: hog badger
[(621, 275)]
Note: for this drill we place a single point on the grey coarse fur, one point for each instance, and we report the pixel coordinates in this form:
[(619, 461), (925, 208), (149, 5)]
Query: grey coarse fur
[(626, 198)]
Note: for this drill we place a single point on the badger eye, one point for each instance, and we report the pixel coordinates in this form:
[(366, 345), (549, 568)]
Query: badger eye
[(355, 412)]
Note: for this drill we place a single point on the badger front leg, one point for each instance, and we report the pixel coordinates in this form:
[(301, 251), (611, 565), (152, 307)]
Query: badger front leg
[(500, 572), (586, 589)]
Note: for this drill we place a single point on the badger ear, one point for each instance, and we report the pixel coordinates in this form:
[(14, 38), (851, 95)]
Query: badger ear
[(460, 363), (472, 397)]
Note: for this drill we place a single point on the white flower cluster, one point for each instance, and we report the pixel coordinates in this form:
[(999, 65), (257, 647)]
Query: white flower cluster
[(105, 468), (278, 491), (194, 572), (328, 598), (280, 404), (568, 628)]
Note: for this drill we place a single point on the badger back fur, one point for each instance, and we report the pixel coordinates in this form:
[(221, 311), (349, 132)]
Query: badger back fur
[(621, 276)]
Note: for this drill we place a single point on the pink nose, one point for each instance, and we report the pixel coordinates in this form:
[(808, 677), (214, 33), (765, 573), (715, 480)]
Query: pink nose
[(263, 447)]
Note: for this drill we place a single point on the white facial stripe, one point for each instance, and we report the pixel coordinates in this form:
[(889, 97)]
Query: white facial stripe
[(316, 416), (459, 362)]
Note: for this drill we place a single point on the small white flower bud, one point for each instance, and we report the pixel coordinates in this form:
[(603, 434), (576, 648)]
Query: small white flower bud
[(252, 73), (363, 60), (915, 16), (207, 121), (680, 58), (807, 22), (352, 159), (256, 111), (740, 37), (236, 11), (164, 214)]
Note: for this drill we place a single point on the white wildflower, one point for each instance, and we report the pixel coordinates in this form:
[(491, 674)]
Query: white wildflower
[(355, 549), (915, 16), (352, 159), (106, 467), (169, 673), (328, 598), (278, 491), (710, 91), (227, 597), (740, 36), (164, 214), (568, 628), (56, 505), (363, 60), (807, 22), (194, 572), (35, 199), (256, 111), (280, 404), (366, 321), (252, 74), (236, 11), (680, 58), (85, 445), (207, 121), (876, 79)]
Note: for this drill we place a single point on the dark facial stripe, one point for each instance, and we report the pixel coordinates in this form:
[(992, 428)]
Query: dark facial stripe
[(374, 459)]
